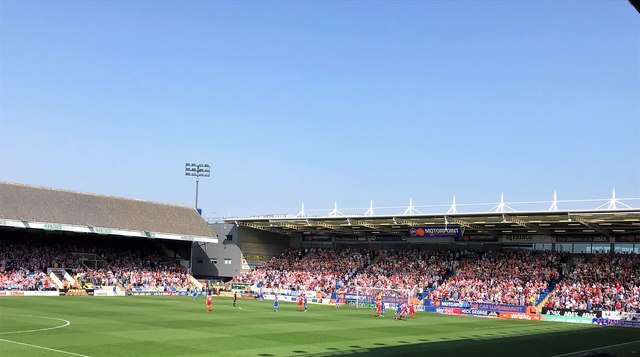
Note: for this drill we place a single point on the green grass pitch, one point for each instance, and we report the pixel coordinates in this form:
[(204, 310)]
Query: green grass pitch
[(179, 326)]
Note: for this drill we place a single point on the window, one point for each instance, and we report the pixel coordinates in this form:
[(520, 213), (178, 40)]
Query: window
[(581, 248), (199, 260), (623, 248), (214, 261), (542, 246), (227, 261), (600, 248), (563, 247)]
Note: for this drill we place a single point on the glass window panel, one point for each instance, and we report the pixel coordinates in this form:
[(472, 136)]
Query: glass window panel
[(600, 248), (582, 248), (623, 248)]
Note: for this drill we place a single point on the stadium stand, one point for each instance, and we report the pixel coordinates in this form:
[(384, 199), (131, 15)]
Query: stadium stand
[(23, 264), (595, 282), (508, 277), (68, 241), (309, 269), (413, 270), (24, 261), (601, 282), (608, 282)]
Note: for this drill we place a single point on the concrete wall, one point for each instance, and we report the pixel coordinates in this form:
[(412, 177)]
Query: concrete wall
[(259, 243), (209, 259), (295, 242), (235, 243)]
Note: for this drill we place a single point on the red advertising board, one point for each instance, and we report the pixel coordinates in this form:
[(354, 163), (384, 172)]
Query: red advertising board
[(449, 310), (520, 316)]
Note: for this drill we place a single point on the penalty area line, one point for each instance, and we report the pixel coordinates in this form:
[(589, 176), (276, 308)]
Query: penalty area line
[(44, 348), (596, 348)]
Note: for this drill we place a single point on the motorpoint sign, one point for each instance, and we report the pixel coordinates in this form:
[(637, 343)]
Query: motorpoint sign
[(448, 231)]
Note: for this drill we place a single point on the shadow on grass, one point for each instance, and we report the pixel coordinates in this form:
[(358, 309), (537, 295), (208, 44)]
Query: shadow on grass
[(566, 343)]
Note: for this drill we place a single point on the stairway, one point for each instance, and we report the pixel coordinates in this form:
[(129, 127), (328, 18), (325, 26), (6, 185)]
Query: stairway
[(544, 297)]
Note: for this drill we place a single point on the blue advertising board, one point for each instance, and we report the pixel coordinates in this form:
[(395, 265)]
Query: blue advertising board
[(611, 322), (445, 303), (498, 307)]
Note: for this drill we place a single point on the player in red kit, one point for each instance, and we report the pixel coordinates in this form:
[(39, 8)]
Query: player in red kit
[(403, 311), (209, 300), (412, 310), (378, 305), (300, 303)]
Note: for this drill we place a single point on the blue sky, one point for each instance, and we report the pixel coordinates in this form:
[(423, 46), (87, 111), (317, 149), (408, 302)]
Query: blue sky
[(315, 102)]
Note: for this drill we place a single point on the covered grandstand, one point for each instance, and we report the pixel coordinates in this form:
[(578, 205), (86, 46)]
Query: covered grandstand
[(79, 243), (609, 225), (533, 261), (578, 264)]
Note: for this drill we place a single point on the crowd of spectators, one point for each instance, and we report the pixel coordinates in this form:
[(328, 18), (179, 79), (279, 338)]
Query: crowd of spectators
[(406, 270), (24, 280), (515, 277), (24, 264), (136, 269), (507, 277), (308, 269), (609, 282)]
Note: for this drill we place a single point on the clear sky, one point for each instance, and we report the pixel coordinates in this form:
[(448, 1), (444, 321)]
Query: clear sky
[(313, 102)]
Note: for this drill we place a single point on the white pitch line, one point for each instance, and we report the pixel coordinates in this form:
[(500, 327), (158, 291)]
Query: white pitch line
[(67, 323), (44, 348), (597, 348)]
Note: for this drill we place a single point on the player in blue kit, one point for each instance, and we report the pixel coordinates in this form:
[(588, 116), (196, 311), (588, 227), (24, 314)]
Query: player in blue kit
[(275, 304), (398, 312), (304, 296), (195, 294)]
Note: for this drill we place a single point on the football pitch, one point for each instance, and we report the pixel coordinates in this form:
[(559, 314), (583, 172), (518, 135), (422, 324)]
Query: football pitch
[(180, 326)]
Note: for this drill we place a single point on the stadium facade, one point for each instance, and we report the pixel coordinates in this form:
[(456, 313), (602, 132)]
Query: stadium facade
[(611, 224), (222, 249)]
